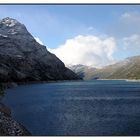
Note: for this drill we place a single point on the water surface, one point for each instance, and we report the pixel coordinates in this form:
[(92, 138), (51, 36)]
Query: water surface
[(97, 108)]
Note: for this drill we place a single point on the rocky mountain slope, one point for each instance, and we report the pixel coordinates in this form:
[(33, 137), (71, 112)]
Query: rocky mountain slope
[(22, 59), (126, 69)]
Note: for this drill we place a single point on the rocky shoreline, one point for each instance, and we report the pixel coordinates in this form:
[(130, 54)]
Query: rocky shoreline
[(8, 126)]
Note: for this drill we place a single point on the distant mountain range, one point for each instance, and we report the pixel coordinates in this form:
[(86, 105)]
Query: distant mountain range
[(23, 59), (126, 69), (82, 71)]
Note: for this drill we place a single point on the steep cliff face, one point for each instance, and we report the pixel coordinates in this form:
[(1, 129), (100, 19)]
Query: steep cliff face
[(23, 59)]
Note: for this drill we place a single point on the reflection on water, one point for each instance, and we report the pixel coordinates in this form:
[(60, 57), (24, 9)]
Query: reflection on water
[(78, 108)]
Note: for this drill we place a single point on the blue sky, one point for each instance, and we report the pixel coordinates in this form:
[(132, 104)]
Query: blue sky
[(58, 26)]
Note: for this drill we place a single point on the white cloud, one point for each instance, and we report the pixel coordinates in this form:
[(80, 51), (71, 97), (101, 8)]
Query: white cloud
[(90, 28), (39, 41), (126, 15), (130, 17), (89, 50), (132, 43)]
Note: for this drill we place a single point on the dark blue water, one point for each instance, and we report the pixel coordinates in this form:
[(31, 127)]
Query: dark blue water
[(96, 108)]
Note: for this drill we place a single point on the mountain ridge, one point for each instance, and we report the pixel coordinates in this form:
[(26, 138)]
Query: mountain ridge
[(82, 70), (23, 59), (128, 68)]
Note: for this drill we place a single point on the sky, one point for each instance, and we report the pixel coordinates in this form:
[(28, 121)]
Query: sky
[(93, 35)]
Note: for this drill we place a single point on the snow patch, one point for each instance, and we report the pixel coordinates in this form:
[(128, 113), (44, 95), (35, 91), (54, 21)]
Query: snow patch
[(9, 22)]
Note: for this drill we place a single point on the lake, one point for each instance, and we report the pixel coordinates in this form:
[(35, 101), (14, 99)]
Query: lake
[(85, 108)]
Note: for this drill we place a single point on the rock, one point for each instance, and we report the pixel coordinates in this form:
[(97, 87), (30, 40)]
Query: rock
[(9, 127), (4, 109), (22, 59)]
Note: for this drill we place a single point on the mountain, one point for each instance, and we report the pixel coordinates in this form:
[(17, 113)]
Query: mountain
[(82, 71), (126, 69), (23, 59)]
